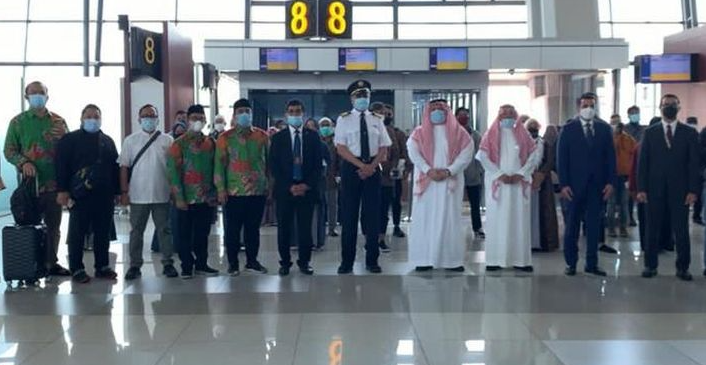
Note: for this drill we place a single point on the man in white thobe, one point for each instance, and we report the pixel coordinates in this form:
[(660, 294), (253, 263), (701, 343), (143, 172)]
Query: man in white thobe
[(440, 150), (509, 156)]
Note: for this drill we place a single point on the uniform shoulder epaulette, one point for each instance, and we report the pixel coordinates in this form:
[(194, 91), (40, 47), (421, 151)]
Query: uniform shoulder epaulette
[(378, 115), (345, 114)]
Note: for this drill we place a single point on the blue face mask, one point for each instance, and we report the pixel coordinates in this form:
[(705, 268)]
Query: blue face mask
[(148, 124), (326, 131), (438, 116), (361, 104), (634, 118), (37, 101), (295, 121), (244, 120), (507, 123), (91, 125)]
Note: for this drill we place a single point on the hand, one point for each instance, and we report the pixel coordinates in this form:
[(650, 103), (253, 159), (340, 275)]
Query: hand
[(537, 180), (222, 198), (181, 205), (504, 179), (125, 199), (337, 179), (641, 197), (62, 199), (28, 170), (607, 191), (567, 194), (690, 199), (369, 169), (516, 179)]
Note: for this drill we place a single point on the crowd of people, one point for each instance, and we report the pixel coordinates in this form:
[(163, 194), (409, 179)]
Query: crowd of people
[(297, 172)]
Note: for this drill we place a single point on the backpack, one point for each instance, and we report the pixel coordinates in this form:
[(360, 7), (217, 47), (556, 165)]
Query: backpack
[(24, 203)]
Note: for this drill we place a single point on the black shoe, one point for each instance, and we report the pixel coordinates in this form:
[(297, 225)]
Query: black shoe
[(206, 271), (81, 277), (107, 274), (493, 268), (684, 275), (480, 234), (133, 273), (669, 249), (58, 270), (233, 270), (596, 271), (607, 249), (374, 269), (633, 223), (284, 271), (456, 269), (399, 233), (333, 233), (423, 268), (344, 270), (699, 221), (169, 271), (187, 274), (256, 267), (306, 270), (524, 268), (384, 247), (570, 271), (649, 273)]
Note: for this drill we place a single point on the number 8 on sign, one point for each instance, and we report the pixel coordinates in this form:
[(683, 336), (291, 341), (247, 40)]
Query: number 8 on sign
[(299, 23), (336, 23), (149, 51)]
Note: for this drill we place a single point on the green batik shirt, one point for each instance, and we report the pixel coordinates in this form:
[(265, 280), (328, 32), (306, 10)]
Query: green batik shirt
[(190, 169), (31, 138), (241, 162)]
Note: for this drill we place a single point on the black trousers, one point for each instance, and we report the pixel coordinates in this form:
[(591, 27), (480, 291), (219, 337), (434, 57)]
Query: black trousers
[(95, 214), (659, 210), (243, 213), (194, 226), (397, 203), (287, 209), (474, 201), (357, 195), (386, 197)]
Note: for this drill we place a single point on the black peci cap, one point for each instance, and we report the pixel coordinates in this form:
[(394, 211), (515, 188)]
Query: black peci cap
[(242, 103), (359, 85), (197, 108)]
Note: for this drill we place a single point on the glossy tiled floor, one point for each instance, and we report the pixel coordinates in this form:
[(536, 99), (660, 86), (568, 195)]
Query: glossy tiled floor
[(399, 317)]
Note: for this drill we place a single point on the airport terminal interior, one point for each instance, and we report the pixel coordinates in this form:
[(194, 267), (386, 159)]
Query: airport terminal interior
[(540, 56)]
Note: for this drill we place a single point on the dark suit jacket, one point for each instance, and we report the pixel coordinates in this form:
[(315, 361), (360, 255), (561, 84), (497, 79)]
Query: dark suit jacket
[(282, 159), (578, 163), (669, 172)]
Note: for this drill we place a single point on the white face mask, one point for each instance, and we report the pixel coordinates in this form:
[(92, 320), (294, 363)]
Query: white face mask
[(587, 113), (220, 127), (197, 126)]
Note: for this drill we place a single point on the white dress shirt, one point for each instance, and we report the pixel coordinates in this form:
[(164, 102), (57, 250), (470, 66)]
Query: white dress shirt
[(148, 184), (348, 132)]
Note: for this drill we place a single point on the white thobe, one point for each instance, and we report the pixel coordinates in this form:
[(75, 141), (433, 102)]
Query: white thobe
[(436, 237), (508, 219)]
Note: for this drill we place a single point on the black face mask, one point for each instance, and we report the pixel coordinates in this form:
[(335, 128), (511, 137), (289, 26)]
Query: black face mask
[(388, 121), (533, 132), (670, 111)]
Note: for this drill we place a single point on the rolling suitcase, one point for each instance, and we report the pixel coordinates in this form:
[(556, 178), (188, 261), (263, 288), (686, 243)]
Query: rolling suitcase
[(23, 252)]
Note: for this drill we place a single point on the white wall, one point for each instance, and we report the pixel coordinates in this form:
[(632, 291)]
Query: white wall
[(147, 91)]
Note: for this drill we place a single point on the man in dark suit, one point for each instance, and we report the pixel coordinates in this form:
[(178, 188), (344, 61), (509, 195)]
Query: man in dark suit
[(586, 166), (295, 165), (668, 181)]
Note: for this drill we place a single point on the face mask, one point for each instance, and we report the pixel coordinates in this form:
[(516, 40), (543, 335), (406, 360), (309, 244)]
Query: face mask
[(670, 111), (634, 118), (533, 132), (220, 127), (244, 120), (326, 131), (148, 124), (37, 101), (507, 123), (438, 116), (463, 120), (588, 113), (388, 121), (361, 104), (91, 125), (197, 126), (295, 121)]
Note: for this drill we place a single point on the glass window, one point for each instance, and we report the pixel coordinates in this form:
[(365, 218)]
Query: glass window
[(13, 41), (55, 10), (422, 14), (498, 31), (12, 105), (203, 31), (701, 11), (13, 10), (268, 13), (606, 30), (646, 10), (372, 14), (267, 31), (112, 43), (55, 42), (372, 31), (645, 38), (432, 31), (604, 10), (211, 10), (504, 13), (136, 9)]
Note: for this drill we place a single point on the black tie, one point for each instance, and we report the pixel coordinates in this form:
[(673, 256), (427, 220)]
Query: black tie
[(589, 133), (364, 143), (670, 136), (297, 168)]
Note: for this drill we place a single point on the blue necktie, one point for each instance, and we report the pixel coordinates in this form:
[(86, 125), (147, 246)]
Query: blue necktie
[(297, 167)]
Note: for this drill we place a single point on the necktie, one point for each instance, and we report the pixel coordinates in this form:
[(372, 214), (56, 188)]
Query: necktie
[(297, 167), (589, 133), (670, 135), (364, 142)]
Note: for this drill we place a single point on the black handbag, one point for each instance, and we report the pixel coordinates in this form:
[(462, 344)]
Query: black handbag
[(86, 179), (24, 203)]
